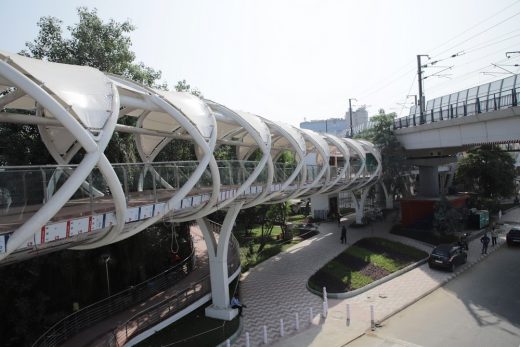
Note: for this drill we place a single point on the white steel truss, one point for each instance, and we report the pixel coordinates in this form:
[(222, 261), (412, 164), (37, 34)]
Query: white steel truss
[(77, 108)]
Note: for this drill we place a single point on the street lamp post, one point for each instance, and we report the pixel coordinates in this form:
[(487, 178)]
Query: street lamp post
[(106, 259)]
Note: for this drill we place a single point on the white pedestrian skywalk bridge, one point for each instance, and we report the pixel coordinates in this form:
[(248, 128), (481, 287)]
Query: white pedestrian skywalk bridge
[(90, 202)]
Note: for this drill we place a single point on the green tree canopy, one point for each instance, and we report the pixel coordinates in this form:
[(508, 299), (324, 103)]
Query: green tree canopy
[(487, 170), (104, 45), (91, 42), (395, 166)]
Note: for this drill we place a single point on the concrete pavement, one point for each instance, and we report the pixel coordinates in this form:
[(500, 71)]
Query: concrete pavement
[(276, 289)]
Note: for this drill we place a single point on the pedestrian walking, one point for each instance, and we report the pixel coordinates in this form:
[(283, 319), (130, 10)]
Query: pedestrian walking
[(494, 235), (485, 242), (235, 303), (344, 234)]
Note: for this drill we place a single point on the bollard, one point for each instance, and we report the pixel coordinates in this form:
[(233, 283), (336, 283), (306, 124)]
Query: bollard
[(228, 343), (325, 308), (310, 315), (297, 321), (265, 335), (247, 340), (372, 323), (324, 294), (281, 327), (348, 314)]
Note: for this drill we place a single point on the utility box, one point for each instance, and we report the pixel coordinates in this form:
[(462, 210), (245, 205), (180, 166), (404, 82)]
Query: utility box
[(479, 219)]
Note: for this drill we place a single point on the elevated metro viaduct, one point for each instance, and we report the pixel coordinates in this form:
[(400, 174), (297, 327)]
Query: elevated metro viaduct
[(485, 114), (94, 202)]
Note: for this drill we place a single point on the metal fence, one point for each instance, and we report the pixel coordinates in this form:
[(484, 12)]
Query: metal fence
[(96, 312), (149, 317), (443, 109)]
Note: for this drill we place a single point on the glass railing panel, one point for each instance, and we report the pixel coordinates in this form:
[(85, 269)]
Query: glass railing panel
[(22, 192)]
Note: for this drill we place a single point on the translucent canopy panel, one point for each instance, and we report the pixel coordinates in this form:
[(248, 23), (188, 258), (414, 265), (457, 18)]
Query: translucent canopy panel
[(192, 108), (463, 95), (86, 90), (495, 88), (316, 144), (509, 83), (246, 130), (285, 136)]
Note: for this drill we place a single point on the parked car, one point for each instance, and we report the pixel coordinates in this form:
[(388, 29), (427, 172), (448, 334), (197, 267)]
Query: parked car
[(447, 256), (513, 237)]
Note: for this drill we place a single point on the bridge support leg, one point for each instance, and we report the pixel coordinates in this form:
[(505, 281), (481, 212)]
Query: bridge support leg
[(389, 201), (359, 203), (218, 266)]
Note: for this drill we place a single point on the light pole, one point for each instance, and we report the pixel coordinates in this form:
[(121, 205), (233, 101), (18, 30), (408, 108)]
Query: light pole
[(420, 83), (350, 114), (106, 259)]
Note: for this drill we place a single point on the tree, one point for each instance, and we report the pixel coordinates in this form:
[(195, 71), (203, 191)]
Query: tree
[(446, 218), (92, 42), (183, 86), (395, 166), (32, 308), (488, 171)]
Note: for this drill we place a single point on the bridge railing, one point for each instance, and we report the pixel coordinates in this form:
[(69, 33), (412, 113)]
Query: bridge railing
[(469, 106), (88, 316), (24, 189)]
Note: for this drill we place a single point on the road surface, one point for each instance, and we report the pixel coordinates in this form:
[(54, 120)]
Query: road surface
[(481, 307)]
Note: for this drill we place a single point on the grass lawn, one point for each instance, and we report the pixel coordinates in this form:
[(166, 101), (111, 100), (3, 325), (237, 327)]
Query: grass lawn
[(249, 245), (364, 262), (427, 236)]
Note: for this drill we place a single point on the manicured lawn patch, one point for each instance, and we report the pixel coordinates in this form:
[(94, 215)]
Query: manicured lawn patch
[(424, 235), (362, 263), (405, 253), (385, 262)]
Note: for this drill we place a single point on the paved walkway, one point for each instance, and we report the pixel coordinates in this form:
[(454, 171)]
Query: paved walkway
[(276, 289)]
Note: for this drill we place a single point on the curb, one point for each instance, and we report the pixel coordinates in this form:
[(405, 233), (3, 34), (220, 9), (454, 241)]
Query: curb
[(358, 291)]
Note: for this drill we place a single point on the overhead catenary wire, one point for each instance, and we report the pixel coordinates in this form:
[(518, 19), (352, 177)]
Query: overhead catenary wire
[(480, 33), (471, 28), (409, 91), (392, 80)]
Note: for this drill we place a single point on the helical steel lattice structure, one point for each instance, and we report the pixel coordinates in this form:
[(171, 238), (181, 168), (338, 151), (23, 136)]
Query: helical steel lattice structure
[(94, 202)]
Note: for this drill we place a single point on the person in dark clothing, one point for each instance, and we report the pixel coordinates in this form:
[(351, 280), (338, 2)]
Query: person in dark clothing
[(235, 303), (343, 234), (485, 242)]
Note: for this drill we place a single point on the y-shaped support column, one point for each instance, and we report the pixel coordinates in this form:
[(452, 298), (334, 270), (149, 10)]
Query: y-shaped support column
[(218, 267), (359, 203), (389, 201)]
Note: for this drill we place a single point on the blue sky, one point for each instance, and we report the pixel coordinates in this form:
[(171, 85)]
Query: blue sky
[(290, 60)]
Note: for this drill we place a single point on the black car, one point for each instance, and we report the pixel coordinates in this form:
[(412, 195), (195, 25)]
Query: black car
[(447, 256), (513, 237)]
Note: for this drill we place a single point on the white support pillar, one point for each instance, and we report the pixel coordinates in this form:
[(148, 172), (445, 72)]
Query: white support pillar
[(389, 201), (359, 204), (218, 267)]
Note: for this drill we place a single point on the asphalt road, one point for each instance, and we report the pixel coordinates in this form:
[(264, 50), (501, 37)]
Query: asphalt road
[(481, 307)]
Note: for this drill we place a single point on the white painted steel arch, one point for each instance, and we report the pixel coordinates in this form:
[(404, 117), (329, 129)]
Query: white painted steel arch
[(76, 110)]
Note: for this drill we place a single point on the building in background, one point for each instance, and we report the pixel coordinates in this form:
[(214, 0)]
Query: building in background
[(338, 126)]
